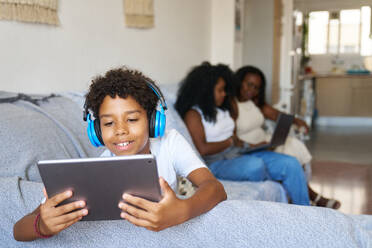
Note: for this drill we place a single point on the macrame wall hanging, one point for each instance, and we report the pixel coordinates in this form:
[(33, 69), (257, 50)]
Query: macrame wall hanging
[(35, 11), (139, 13)]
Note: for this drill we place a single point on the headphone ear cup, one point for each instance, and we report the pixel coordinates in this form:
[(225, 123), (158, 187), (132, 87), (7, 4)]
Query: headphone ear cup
[(92, 132), (156, 127), (152, 124), (97, 129), (161, 123)]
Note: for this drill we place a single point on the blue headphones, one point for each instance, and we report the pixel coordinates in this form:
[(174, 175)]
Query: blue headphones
[(156, 123)]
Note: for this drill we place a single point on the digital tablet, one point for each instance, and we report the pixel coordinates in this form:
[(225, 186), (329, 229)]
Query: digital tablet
[(101, 182), (282, 128)]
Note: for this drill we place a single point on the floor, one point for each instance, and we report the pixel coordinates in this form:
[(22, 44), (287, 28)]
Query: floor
[(342, 166)]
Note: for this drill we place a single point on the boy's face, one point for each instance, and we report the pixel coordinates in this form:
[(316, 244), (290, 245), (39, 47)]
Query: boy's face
[(124, 126)]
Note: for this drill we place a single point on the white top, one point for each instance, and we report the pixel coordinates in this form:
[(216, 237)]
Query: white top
[(174, 156), (220, 130), (249, 123), (249, 129)]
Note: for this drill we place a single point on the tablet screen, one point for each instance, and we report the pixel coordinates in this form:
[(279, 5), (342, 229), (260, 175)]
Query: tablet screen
[(101, 182)]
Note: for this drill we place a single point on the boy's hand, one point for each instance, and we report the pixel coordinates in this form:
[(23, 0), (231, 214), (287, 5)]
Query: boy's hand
[(155, 216), (54, 219)]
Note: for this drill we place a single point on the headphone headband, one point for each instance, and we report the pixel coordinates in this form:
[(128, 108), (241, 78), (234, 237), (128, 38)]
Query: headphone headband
[(152, 86), (159, 94)]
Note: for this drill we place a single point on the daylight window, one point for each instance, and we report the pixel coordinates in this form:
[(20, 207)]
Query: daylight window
[(340, 32), (318, 29)]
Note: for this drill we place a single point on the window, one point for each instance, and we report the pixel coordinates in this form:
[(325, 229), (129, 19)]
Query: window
[(349, 31), (366, 41), (340, 32), (318, 29)]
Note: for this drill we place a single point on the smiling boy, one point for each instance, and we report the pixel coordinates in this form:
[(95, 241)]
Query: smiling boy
[(124, 104)]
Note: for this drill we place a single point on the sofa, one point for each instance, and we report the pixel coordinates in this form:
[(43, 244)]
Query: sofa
[(40, 127)]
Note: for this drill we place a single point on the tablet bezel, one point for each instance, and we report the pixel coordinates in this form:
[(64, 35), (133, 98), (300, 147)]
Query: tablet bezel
[(101, 182)]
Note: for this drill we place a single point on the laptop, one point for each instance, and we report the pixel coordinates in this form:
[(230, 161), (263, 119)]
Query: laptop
[(101, 182), (283, 125)]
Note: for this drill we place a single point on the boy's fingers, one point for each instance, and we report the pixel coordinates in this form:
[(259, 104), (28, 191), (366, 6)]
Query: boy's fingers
[(65, 225), (136, 212), (57, 199), (165, 188), (61, 220), (45, 193), (66, 208), (136, 221), (138, 202)]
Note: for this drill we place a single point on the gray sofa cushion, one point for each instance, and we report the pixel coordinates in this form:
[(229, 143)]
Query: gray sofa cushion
[(29, 133), (232, 223), (173, 118)]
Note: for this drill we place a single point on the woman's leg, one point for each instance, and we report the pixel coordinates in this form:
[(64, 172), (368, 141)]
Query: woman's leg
[(321, 201), (288, 170), (243, 168)]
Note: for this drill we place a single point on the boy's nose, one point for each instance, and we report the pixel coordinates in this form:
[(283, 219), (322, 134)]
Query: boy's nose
[(121, 130)]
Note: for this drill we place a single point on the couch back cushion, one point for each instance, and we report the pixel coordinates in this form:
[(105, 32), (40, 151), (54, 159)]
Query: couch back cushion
[(174, 121), (54, 129), (29, 133)]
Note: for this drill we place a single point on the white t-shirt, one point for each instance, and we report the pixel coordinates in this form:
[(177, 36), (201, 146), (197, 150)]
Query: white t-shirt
[(174, 156), (220, 130)]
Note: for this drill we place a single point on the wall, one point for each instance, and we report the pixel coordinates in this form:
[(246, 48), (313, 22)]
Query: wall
[(258, 38), (92, 38), (222, 32)]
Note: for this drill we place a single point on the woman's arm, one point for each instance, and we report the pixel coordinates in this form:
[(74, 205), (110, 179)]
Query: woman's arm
[(234, 112), (271, 113), (195, 126)]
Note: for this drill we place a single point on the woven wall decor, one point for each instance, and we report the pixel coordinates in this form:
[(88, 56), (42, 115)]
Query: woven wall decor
[(139, 13), (35, 11)]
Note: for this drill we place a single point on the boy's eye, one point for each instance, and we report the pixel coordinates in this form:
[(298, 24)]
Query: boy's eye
[(107, 124), (133, 120)]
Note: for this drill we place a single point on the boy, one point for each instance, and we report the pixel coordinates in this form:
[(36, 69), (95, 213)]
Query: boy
[(123, 102)]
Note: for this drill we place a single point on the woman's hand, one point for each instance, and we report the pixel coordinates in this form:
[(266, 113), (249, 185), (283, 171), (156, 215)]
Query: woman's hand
[(155, 216), (236, 141), (54, 219), (258, 144), (300, 123)]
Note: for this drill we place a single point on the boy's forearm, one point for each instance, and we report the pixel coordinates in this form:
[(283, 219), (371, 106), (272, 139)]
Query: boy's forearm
[(208, 195), (24, 229)]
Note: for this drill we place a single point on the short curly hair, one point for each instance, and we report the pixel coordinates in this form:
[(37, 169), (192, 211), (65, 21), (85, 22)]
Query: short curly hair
[(122, 82)]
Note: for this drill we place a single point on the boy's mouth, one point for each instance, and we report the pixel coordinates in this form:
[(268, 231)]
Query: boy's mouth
[(123, 145)]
